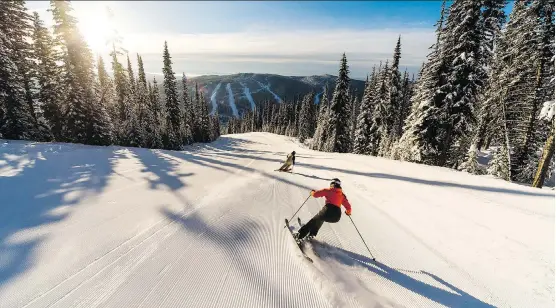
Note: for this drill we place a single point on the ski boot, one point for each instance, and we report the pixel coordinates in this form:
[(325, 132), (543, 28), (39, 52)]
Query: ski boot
[(297, 239)]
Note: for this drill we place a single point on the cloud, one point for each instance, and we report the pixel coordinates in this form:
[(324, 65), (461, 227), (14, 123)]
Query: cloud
[(300, 52), (317, 46)]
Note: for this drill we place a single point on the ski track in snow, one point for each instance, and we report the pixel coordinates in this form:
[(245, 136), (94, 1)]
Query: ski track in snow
[(129, 227), (213, 99), (267, 88), (247, 94), (231, 100)]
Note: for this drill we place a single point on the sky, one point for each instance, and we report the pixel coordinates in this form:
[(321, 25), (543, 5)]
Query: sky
[(295, 38)]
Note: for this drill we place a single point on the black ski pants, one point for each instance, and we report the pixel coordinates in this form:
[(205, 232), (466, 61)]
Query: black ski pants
[(329, 213)]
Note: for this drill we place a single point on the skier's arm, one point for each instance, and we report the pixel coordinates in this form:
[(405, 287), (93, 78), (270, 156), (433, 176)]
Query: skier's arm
[(293, 160), (347, 205), (319, 193)]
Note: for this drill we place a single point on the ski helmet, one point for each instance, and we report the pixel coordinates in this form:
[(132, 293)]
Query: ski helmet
[(293, 152), (336, 182)]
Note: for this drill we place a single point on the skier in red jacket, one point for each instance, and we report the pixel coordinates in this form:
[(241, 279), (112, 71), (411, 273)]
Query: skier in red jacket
[(331, 212)]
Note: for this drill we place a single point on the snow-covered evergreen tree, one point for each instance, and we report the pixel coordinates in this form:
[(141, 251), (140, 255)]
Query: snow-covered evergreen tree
[(156, 110), (462, 41), (48, 77), (78, 76), (18, 120), (173, 138), (322, 121), (306, 125), (382, 113), (404, 109), (471, 163), (204, 118), (355, 104), (499, 164), (214, 126), (338, 139), (144, 113), (187, 112), (420, 141), (123, 106), (395, 94), (365, 118), (134, 130), (517, 86)]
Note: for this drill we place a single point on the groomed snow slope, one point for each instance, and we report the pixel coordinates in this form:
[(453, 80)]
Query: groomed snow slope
[(88, 226)]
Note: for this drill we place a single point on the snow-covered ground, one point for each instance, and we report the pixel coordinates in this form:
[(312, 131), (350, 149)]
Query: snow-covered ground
[(126, 227)]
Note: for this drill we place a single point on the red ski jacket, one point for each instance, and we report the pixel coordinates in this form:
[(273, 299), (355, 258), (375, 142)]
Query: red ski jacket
[(333, 196)]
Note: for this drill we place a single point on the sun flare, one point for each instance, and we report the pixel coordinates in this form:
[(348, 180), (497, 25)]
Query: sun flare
[(95, 26)]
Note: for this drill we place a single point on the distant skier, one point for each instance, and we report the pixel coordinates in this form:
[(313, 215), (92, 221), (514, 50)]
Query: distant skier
[(331, 212), (290, 162)]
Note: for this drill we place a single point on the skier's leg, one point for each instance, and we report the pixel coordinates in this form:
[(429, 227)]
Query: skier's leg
[(316, 227), (331, 214), (315, 222)]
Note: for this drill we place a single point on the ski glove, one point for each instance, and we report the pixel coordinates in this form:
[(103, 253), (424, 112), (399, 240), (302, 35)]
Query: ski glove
[(348, 212), (312, 192)]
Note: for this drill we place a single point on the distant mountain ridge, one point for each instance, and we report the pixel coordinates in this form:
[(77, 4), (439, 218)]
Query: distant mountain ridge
[(233, 95)]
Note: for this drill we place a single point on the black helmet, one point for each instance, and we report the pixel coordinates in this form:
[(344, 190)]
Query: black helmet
[(293, 152), (336, 183)]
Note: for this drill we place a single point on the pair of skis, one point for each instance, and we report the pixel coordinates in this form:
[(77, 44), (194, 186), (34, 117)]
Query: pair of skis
[(300, 244)]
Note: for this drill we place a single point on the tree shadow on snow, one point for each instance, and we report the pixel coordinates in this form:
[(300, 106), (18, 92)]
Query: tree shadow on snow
[(456, 298), (235, 145), (52, 177), (311, 176)]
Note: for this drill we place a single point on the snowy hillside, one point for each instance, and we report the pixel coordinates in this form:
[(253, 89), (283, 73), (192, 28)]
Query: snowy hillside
[(238, 93), (127, 227)]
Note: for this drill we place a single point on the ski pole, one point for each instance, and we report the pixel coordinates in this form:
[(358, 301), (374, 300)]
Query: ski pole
[(362, 238), (300, 207)]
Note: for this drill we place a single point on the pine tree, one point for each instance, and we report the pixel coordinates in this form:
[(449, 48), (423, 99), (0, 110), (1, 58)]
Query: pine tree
[(173, 136), (123, 107), (491, 21), (466, 76), (420, 141), (395, 93), (18, 119), (364, 120), (320, 135), (471, 164), (99, 126), (517, 86), (306, 125), (156, 111), (145, 117), (355, 104), (499, 164), (78, 76), (48, 77), (133, 131), (16, 122), (338, 123), (382, 114), (404, 109), (205, 118), (214, 126), (187, 113)]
